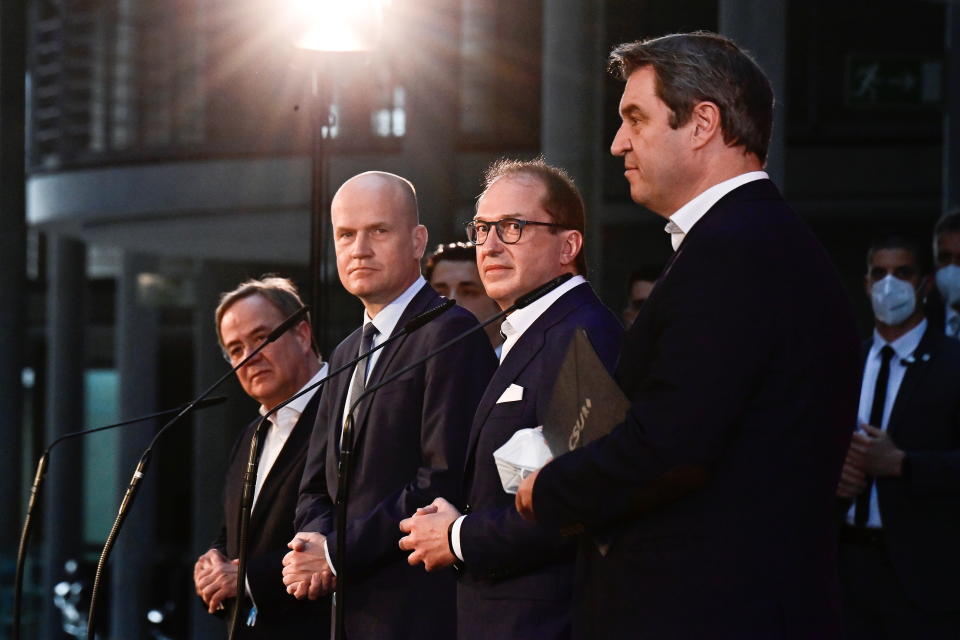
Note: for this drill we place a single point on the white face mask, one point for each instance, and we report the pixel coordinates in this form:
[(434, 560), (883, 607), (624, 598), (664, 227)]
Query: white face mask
[(525, 452), (948, 282), (893, 300)]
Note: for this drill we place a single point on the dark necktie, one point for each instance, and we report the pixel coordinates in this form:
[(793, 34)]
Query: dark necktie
[(359, 381), (862, 512)]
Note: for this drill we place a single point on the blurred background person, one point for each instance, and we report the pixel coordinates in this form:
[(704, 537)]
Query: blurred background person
[(452, 270), (639, 287), (945, 303), (900, 485)]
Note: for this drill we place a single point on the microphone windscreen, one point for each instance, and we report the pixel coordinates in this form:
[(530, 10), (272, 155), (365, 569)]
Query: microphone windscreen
[(293, 320), (542, 290), (415, 323)]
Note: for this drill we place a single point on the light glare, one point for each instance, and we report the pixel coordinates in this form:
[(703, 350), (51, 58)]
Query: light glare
[(335, 25)]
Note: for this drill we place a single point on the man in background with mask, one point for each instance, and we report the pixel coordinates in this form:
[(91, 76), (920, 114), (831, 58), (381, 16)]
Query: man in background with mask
[(946, 249), (900, 486)]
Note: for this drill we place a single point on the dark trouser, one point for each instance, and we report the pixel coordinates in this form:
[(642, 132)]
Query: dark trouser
[(874, 603)]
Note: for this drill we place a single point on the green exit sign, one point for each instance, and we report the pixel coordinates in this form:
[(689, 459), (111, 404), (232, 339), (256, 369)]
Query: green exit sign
[(877, 81)]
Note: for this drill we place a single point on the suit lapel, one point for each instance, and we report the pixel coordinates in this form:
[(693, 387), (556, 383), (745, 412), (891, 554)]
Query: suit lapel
[(527, 347), (338, 393), (295, 446), (914, 375), (517, 360), (425, 299)]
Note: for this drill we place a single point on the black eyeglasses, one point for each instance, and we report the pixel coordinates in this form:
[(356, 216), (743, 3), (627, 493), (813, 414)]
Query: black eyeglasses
[(509, 230)]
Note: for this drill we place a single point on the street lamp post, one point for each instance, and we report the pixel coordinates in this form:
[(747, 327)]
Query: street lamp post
[(330, 30)]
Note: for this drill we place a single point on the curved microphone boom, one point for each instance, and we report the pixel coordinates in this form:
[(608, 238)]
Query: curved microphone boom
[(133, 486), (35, 490), (346, 443), (253, 456)]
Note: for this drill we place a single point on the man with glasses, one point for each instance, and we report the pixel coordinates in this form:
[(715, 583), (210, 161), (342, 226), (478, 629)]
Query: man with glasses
[(516, 578), (244, 318)]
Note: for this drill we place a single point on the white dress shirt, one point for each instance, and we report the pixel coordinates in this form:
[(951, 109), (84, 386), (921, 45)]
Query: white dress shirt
[(281, 426), (513, 328), (521, 319), (904, 348), (689, 214), (385, 322)]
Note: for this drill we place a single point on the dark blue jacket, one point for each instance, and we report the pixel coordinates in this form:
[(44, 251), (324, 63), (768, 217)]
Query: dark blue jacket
[(410, 440), (718, 491), (517, 581)]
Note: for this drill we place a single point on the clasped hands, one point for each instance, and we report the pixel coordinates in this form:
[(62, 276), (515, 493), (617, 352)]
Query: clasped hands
[(215, 579), (306, 573), (427, 538), (871, 453)]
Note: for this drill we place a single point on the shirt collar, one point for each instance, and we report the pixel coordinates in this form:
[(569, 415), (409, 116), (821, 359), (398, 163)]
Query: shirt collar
[(300, 403), (904, 346), (388, 317), (689, 214), (521, 319)]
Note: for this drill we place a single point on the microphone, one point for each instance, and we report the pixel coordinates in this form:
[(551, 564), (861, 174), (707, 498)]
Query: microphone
[(529, 298), (253, 457), (35, 490), (283, 327), (346, 443), (138, 473)]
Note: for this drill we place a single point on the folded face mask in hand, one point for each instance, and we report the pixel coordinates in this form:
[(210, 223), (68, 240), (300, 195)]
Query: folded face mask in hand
[(525, 452)]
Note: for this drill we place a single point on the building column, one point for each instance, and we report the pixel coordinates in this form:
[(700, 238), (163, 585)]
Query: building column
[(134, 556), (951, 111), (63, 495), (13, 292), (214, 430), (760, 27), (571, 126)]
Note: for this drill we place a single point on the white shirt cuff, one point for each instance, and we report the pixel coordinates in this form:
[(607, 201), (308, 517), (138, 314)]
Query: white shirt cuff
[(455, 538), (326, 552)]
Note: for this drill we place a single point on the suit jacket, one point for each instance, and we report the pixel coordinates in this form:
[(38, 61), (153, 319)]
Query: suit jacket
[(271, 528), (718, 490), (517, 581), (921, 510), (409, 443)]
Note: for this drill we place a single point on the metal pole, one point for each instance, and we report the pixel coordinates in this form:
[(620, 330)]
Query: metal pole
[(319, 206)]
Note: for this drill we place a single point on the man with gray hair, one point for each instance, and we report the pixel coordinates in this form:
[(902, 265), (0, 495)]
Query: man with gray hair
[(244, 317), (716, 492)]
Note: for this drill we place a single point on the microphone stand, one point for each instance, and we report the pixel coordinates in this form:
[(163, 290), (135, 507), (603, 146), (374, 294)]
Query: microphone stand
[(35, 491), (253, 456), (346, 443), (295, 318)]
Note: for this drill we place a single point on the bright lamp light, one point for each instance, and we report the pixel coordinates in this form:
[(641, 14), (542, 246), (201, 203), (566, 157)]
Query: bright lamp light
[(337, 25)]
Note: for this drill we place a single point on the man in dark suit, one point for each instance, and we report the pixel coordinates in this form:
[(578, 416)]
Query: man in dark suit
[(901, 479), (244, 318), (516, 578), (409, 438), (716, 493)]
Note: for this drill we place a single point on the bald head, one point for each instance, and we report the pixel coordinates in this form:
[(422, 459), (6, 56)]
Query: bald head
[(395, 194), (377, 237)]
